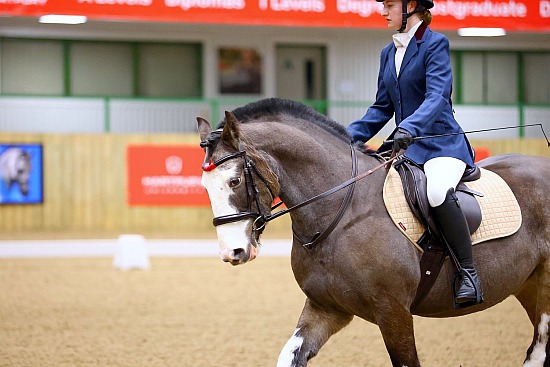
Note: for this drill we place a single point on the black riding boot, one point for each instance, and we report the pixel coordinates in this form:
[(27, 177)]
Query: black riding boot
[(454, 227)]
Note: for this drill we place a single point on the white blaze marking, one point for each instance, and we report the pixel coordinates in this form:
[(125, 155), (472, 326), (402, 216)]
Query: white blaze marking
[(538, 355), (231, 235), (287, 354)]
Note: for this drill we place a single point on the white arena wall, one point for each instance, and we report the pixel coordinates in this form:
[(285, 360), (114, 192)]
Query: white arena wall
[(98, 115)]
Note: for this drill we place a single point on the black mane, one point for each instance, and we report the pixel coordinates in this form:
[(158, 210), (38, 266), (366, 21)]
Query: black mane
[(278, 106)]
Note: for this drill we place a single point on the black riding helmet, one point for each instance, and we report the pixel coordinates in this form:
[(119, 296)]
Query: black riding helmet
[(424, 4)]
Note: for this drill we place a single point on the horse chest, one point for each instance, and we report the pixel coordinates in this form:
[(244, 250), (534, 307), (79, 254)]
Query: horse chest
[(318, 281)]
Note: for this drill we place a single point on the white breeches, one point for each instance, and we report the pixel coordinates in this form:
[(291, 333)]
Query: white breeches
[(442, 173)]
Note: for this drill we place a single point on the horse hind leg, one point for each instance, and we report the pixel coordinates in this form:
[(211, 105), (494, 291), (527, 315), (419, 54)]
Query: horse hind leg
[(314, 328), (535, 298), (538, 352)]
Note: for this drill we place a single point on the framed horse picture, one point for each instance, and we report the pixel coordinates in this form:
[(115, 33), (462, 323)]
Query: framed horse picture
[(21, 174), (240, 71)]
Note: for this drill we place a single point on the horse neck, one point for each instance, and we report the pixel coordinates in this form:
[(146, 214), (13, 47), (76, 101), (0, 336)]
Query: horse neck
[(308, 160)]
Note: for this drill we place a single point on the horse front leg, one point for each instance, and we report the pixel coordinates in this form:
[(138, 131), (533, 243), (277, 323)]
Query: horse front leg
[(314, 328), (396, 325)]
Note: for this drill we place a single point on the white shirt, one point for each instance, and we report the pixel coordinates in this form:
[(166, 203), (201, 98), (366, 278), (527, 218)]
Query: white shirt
[(401, 41)]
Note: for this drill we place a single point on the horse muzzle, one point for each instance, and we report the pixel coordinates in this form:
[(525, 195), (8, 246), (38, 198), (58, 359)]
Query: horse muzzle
[(239, 256), (24, 188)]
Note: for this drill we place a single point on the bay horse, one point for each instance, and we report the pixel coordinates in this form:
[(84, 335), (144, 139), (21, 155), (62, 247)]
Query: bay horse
[(364, 266)]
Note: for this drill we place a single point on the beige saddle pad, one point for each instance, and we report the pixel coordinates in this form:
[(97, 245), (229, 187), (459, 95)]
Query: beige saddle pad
[(499, 208)]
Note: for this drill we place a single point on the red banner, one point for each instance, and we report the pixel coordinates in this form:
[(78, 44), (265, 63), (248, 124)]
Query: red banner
[(160, 175), (512, 15)]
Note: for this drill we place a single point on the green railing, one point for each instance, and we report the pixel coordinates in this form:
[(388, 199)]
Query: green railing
[(214, 107)]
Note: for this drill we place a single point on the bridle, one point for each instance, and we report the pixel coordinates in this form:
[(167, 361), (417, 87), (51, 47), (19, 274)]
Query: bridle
[(253, 194), (253, 197)]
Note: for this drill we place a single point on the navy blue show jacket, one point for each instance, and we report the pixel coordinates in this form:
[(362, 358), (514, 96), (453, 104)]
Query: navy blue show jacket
[(420, 98)]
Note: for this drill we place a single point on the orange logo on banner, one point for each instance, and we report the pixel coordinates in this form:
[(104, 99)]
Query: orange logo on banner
[(165, 175)]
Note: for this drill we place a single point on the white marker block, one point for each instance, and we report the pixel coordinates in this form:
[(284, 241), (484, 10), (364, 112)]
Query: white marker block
[(131, 252)]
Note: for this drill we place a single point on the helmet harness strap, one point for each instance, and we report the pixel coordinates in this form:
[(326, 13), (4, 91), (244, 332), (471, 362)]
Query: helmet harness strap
[(405, 16)]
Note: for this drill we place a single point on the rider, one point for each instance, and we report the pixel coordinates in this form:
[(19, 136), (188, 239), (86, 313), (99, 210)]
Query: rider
[(414, 83)]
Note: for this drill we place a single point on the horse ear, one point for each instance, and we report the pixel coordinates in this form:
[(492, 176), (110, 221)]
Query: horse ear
[(231, 131), (204, 128)]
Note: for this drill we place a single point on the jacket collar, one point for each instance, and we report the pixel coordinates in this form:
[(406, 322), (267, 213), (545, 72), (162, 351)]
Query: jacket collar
[(412, 49), (419, 35)]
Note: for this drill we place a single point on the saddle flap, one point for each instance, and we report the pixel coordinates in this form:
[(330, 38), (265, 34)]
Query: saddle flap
[(414, 184), (414, 180), (470, 206)]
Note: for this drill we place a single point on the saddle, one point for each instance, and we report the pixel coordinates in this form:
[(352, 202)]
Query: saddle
[(415, 191), (405, 197)]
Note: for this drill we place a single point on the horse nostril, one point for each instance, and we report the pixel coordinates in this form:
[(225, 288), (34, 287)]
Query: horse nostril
[(238, 253), (235, 257)]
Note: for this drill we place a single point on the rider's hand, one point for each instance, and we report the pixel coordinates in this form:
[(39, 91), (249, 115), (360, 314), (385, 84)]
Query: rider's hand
[(402, 140)]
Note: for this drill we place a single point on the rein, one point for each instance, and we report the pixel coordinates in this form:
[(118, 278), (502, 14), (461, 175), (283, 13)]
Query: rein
[(344, 184), (319, 237), (261, 219)]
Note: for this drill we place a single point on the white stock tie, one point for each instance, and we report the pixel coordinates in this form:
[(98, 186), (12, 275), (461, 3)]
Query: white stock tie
[(400, 42)]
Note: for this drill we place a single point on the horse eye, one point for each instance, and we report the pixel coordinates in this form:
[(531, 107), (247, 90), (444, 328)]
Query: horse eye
[(235, 181)]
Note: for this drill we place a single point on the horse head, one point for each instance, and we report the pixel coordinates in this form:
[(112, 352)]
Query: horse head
[(23, 171), (241, 187), (15, 168)]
